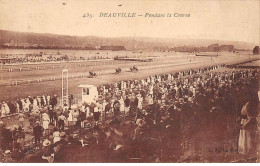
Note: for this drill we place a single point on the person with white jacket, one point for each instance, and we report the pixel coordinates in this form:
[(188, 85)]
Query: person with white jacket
[(5, 109)]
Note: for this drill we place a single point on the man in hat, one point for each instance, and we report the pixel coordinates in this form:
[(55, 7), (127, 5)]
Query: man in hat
[(53, 101), (74, 141), (37, 132), (51, 113), (89, 140), (47, 152), (61, 122), (20, 135), (127, 105), (116, 107), (140, 130)]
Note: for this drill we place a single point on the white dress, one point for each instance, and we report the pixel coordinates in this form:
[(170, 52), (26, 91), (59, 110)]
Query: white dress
[(247, 136), (70, 118), (150, 101), (7, 109), (3, 112), (244, 143), (35, 104), (26, 106), (45, 121), (140, 101), (122, 106)]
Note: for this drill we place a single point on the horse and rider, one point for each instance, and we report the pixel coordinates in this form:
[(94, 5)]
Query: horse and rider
[(134, 68), (118, 70), (92, 74)]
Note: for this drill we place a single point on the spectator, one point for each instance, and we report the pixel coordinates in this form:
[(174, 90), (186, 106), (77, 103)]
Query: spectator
[(37, 132)]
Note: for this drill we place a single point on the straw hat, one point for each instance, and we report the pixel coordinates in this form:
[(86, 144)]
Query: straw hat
[(7, 152), (46, 142), (140, 122)]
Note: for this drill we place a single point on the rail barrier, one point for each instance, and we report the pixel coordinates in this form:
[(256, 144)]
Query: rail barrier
[(10, 68)]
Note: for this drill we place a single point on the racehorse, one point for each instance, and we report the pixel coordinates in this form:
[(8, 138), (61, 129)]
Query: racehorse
[(134, 68), (92, 74), (118, 70)]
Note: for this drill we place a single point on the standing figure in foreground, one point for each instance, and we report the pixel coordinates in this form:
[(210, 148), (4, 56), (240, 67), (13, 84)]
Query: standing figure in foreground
[(247, 136)]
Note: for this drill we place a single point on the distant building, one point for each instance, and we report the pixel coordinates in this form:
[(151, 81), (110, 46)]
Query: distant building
[(256, 50), (113, 48)]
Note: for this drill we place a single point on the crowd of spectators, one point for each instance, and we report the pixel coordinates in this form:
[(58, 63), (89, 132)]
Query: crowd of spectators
[(150, 120), (36, 58)]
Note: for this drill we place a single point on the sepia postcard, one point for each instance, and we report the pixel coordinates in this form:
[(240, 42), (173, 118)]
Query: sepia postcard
[(129, 81)]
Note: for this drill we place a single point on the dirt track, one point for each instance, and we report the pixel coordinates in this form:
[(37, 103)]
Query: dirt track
[(158, 66)]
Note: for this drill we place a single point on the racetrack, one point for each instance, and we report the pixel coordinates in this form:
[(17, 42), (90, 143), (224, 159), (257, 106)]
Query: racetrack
[(78, 73)]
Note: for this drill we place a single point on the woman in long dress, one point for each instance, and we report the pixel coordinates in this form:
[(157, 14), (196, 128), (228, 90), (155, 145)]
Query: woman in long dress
[(122, 106), (247, 136), (140, 102), (70, 118), (258, 131), (45, 122)]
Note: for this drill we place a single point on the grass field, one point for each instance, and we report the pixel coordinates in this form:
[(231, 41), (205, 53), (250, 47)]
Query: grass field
[(170, 62)]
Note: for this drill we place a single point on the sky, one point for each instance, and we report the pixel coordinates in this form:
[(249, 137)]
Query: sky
[(231, 20)]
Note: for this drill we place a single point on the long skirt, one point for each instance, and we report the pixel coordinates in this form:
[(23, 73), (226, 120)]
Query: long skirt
[(246, 142), (45, 124)]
